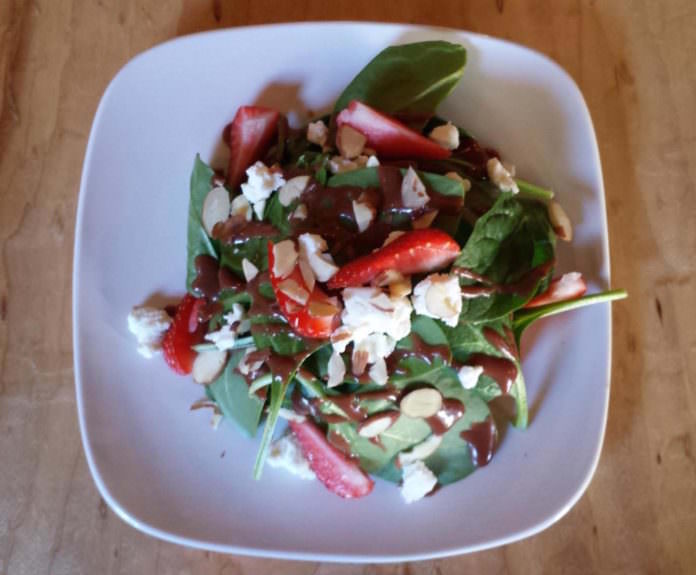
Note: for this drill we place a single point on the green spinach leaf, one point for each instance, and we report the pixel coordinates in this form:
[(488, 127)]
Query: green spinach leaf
[(253, 249), (198, 241), (231, 393), (411, 78)]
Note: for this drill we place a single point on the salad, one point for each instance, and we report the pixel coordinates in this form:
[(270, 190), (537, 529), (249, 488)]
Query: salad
[(367, 279)]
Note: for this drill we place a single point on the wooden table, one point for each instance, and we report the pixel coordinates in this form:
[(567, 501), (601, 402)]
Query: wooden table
[(634, 62)]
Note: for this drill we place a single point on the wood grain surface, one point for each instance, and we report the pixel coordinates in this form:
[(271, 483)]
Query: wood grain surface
[(633, 60)]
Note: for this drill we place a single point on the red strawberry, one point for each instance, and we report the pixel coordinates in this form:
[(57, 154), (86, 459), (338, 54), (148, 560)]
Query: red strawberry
[(389, 137), (180, 336), (318, 318), (338, 473), (418, 251), (568, 286), (250, 135)]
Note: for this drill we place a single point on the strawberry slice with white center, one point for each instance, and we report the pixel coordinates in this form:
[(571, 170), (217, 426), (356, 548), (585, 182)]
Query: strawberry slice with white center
[(387, 136), (418, 251), (568, 286), (184, 332), (317, 317), (251, 133), (339, 474)]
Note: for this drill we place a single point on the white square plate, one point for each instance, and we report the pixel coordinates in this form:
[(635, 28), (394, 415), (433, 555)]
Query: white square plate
[(160, 466)]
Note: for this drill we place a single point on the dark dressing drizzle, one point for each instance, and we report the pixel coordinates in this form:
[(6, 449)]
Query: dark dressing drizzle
[(482, 439)]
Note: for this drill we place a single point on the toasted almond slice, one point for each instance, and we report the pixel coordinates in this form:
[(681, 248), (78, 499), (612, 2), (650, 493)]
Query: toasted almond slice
[(421, 451), (294, 291), (249, 270), (377, 424), (437, 302), (388, 277), (424, 221), (216, 208), (336, 370), (317, 133), (364, 214), (413, 192), (300, 212), (349, 141), (560, 221), (466, 184), (284, 258), (322, 309), (378, 372), (359, 362), (292, 189), (240, 206), (208, 365), (307, 273), (421, 402), (392, 236), (401, 288), (447, 135)]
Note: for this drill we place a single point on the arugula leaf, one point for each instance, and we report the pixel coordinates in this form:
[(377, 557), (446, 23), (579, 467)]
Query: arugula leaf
[(411, 78), (231, 393), (526, 317), (369, 178), (198, 241)]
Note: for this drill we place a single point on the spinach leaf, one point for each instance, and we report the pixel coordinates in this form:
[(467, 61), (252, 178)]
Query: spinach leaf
[(411, 78), (278, 391), (253, 249), (507, 242), (279, 215), (282, 340), (526, 317), (198, 241), (231, 393), (369, 178)]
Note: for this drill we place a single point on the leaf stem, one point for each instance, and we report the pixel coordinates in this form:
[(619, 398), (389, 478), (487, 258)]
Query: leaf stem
[(533, 192)]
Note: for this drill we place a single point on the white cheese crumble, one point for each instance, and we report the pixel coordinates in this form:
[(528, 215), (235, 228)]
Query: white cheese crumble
[(261, 183), (446, 135), (502, 176), (235, 323), (312, 250), (439, 296), (317, 133), (417, 481), (286, 453), (374, 322), (469, 375), (148, 325), (413, 192)]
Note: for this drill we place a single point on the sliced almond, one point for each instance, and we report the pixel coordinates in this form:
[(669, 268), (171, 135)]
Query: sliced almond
[(401, 288), (290, 415), (322, 309), (424, 221), (422, 402), (437, 302), (446, 135), (216, 208), (392, 236), (307, 274), (350, 142), (421, 451), (372, 161), (413, 192), (284, 258), (388, 277), (336, 370), (466, 184), (378, 372), (249, 270), (240, 206), (560, 221), (208, 365), (317, 133), (377, 424), (359, 362), (364, 214), (294, 291), (300, 212), (292, 189)]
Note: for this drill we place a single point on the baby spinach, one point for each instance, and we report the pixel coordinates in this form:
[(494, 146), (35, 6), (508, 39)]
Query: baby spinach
[(230, 391), (198, 241), (253, 249), (369, 178), (410, 79)]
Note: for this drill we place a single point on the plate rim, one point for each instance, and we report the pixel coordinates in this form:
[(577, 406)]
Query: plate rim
[(130, 516)]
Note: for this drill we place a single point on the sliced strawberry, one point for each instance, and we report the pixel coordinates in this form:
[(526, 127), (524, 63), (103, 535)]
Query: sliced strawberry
[(568, 286), (419, 251), (318, 318), (338, 473), (389, 137), (182, 334), (250, 135)]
